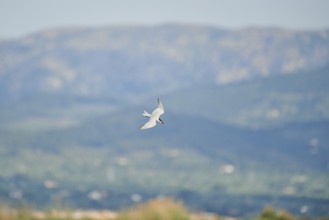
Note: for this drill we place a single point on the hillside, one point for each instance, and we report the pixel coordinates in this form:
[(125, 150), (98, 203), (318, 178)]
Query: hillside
[(259, 103), (246, 118), (191, 156), (132, 61)]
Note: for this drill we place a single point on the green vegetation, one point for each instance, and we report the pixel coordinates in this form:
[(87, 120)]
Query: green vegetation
[(269, 213), (164, 209), (158, 209)]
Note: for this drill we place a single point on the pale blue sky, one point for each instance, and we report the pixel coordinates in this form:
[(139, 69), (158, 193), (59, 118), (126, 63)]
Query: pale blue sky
[(22, 17)]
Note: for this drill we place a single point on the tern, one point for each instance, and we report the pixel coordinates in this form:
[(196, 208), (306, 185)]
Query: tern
[(154, 117)]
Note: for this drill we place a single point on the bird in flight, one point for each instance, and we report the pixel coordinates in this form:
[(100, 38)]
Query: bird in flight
[(154, 117)]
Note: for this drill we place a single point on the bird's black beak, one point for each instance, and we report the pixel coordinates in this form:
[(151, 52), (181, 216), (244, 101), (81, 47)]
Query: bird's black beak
[(161, 120)]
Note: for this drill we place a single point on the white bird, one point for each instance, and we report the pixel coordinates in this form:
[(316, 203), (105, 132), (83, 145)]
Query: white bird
[(154, 117)]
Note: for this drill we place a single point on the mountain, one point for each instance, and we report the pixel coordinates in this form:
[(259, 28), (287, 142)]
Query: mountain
[(262, 102), (134, 61), (246, 118)]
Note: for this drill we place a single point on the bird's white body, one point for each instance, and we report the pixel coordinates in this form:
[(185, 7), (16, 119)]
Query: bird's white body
[(154, 117)]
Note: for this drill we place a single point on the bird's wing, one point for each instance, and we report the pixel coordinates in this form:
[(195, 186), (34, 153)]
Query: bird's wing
[(159, 110), (151, 123), (160, 106)]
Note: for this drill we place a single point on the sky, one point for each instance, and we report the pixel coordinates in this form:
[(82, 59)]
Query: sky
[(22, 17)]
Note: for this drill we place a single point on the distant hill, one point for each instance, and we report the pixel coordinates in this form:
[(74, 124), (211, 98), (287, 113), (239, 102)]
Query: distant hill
[(246, 118), (262, 102), (191, 156), (132, 61)]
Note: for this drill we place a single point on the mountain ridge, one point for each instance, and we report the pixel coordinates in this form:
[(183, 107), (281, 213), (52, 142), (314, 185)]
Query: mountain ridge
[(161, 59)]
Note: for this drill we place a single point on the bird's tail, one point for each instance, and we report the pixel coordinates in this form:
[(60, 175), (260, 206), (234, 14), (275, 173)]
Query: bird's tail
[(146, 114)]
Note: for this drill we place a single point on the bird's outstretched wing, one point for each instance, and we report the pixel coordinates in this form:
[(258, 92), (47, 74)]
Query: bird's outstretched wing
[(159, 110), (151, 123)]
